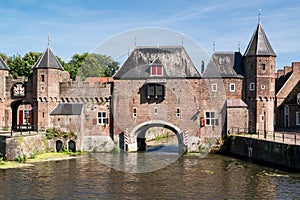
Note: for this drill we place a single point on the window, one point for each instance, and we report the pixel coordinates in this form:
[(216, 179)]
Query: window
[(263, 87), (102, 118), (232, 87), (134, 113), (177, 112), (156, 70), (271, 86), (43, 77), (263, 66), (298, 118), (155, 90), (214, 87), (155, 111), (210, 119), (298, 99), (252, 86)]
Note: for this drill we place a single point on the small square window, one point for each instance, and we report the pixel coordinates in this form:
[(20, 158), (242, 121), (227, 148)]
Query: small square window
[(102, 118), (252, 86), (214, 87), (232, 87), (210, 119)]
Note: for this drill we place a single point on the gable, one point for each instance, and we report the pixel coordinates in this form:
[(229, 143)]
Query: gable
[(174, 59)]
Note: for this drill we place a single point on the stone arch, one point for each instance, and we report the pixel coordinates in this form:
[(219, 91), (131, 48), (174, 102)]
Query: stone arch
[(59, 145), (139, 131), (72, 146)]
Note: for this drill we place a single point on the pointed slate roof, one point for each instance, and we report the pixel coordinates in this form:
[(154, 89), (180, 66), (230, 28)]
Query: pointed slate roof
[(3, 65), (259, 44), (48, 60), (174, 59)]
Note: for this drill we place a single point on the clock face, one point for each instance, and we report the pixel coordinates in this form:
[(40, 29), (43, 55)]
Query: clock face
[(19, 90)]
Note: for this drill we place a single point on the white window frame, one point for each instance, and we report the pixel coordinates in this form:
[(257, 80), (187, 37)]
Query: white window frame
[(214, 87), (102, 119), (252, 86), (211, 118), (230, 87), (298, 118)]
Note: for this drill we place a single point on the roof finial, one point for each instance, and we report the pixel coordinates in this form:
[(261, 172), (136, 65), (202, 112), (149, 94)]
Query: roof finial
[(48, 40), (182, 38), (239, 46), (259, 10), (214, 46), (134, 41)]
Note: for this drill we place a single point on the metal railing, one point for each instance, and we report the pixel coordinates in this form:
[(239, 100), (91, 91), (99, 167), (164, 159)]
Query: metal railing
[(282, 136), (20, 129)]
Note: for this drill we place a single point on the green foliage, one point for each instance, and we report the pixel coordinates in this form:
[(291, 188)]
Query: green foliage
[(74, 64), (97, 65), (21, 159), (84, 65), (57, 133), (116, 149), (22, 66)]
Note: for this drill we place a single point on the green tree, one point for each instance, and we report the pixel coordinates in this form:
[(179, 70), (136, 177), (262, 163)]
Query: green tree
[(97, 65), (74, 64), (22, 66)]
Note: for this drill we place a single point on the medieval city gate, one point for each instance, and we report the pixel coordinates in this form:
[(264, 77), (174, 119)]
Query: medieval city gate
[(137, 136)]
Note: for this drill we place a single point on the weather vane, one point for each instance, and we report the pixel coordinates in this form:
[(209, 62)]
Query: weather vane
[(48, 40), (259, 10)]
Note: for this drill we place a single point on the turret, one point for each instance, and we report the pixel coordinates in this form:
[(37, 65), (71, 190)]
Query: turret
[(259, 61)]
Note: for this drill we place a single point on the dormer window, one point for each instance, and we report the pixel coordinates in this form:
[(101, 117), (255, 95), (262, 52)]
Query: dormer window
[(156, 70)]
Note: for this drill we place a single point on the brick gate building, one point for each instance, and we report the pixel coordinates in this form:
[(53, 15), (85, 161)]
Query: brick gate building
[(157, 87)]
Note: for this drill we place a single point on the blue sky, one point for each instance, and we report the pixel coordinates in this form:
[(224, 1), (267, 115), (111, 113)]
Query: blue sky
[(77, 26)]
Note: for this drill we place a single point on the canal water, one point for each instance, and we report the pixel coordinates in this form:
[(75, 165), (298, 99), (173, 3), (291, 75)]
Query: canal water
[(189, 177)]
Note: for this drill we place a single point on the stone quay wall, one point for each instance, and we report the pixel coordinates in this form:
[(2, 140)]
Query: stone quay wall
[(274, 154)]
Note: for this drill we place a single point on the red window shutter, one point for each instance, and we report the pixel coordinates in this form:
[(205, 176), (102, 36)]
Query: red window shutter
[(30, 115), (20, 116), (153, 72), (159, 70)]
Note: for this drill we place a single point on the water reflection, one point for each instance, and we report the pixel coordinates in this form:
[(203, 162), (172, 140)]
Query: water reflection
[(212, 177)]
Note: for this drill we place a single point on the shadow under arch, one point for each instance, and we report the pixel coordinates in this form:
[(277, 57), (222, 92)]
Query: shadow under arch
[(17, 124), (138, 133)]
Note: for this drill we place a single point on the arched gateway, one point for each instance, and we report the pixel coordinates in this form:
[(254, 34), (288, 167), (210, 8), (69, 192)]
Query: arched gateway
[(137, 134)]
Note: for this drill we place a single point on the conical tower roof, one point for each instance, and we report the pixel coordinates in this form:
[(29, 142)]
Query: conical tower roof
[(3, 65), (259, 44), (48, 60)]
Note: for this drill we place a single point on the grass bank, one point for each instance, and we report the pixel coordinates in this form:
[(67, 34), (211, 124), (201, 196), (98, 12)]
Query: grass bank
[(39, 158)]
